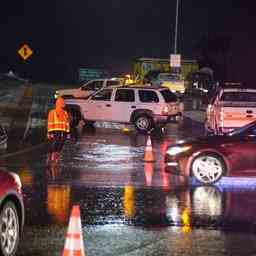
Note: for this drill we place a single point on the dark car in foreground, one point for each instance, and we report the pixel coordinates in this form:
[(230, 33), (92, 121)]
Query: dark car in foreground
[(11, 213), (210, 158)]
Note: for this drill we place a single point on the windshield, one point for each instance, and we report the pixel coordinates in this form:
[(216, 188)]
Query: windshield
[(244, 129), (169, 77)]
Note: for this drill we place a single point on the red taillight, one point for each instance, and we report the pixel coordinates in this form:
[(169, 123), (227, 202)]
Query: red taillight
[(165, 110)]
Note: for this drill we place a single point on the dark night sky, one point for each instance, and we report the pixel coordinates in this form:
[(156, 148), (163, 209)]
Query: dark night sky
[(65, 34)]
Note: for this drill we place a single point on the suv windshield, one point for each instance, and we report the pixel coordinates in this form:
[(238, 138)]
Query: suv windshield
[(169, 96)]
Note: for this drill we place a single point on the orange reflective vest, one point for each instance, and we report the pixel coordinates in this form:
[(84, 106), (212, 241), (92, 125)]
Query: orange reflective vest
[(58, 121)]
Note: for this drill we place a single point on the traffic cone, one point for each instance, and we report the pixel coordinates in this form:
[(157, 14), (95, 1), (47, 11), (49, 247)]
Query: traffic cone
[(148, 155), (74, 245)]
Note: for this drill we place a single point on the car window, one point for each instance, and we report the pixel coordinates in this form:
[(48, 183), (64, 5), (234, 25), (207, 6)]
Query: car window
[(239, 96), (125, 95), (93, 86), (148, 96), (112, 83), (169, 96), (104, 95)]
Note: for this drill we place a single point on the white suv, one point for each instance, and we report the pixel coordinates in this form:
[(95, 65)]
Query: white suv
[(144, 107)]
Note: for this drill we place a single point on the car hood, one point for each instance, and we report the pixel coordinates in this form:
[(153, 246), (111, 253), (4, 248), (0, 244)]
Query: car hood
[(211, 140)]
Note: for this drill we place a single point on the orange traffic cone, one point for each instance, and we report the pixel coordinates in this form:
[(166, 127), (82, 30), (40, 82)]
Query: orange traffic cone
[(148, 155), (74, 245)]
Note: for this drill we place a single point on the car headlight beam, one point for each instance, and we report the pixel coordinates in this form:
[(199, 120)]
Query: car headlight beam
[(175, 150)]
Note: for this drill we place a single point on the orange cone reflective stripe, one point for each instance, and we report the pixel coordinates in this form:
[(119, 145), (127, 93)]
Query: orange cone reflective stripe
[(148, 155), (74, 245)]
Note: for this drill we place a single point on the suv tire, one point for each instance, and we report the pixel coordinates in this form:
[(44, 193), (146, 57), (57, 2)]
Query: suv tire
[(143, 123)]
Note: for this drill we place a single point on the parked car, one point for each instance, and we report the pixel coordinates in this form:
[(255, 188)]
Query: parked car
[(210, 158), (230, 108), (145, 107), (88, 88), (11, 213), (173, 82)]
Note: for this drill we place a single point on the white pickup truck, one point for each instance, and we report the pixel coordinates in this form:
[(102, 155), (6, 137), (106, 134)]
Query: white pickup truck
[(230, 108), (88, 88)]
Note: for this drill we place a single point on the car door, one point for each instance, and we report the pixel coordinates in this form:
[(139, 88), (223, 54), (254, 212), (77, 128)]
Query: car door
[(98, 106), (123, 105)]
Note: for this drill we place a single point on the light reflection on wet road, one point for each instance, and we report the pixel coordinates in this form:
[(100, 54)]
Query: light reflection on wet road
[(129, 207)]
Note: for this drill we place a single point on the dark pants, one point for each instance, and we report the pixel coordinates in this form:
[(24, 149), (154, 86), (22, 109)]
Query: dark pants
[(58, 141)]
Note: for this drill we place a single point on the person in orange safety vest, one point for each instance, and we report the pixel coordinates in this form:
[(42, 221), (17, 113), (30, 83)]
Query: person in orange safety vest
[(58, 128)]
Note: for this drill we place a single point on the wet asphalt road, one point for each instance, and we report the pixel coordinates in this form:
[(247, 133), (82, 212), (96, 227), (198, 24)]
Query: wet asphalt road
[(129, 207)]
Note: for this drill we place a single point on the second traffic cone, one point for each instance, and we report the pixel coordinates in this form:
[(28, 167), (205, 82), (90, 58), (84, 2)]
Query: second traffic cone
[(149, 155), (74, 245)]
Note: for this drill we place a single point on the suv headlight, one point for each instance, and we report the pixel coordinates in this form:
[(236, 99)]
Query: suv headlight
[(175, 150)]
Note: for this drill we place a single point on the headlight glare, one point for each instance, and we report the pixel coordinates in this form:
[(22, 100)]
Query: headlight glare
[(175, 150)]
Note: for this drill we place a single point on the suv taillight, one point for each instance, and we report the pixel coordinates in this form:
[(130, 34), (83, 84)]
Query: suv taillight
[(165, 110)]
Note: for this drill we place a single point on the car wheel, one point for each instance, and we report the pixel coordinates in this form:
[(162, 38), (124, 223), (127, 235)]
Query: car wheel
[(144, 123), (74, 117), (9, 229), (208, 168)]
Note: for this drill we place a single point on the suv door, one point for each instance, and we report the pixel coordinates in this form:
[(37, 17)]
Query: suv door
[(123, 105), (98, 107)]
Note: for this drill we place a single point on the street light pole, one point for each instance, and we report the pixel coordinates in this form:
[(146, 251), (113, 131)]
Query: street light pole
[(176, 27)]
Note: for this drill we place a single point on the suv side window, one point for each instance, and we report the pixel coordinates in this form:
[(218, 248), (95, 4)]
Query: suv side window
[(103, 95), (125, 95), (112, 83), (169, 96), (93, 86), (148, 96)]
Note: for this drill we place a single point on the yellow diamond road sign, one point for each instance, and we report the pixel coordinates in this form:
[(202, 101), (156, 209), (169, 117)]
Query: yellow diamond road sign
[(25, 52)]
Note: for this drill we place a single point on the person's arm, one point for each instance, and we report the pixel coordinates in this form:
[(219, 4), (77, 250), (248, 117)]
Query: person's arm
[(50, 121)]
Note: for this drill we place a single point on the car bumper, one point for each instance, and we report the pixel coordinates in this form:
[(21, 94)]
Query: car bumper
[(166, 119)]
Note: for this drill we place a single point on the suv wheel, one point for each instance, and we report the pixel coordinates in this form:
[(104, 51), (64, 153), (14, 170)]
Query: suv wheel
[(144, 123), (9, 229)]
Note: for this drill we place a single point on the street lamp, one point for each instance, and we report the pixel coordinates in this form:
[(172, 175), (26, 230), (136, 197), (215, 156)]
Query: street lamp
[(176, 27)]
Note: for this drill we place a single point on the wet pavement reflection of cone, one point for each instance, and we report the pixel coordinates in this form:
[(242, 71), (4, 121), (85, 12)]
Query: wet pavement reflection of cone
[(149, 155), (74, 245), (149, 171)]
